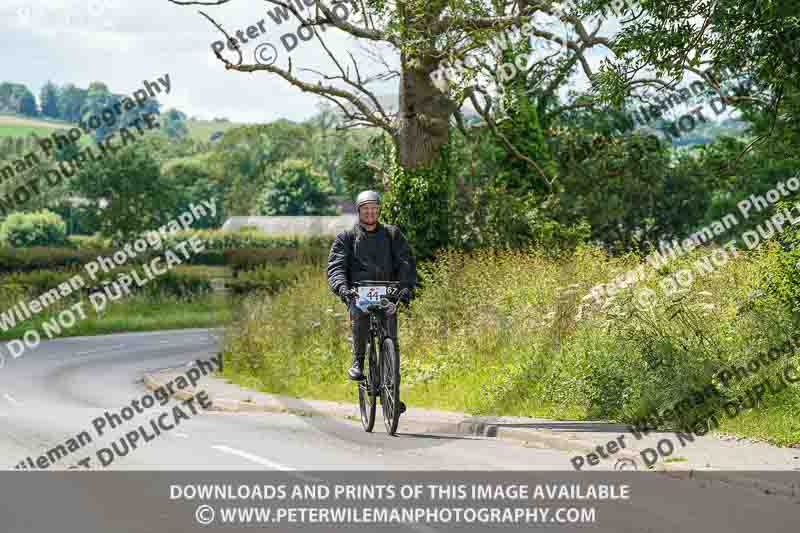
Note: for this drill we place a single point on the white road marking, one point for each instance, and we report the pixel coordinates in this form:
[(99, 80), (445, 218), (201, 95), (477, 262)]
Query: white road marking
[(10, 399), (254, 458), (266, 462), (101, 349)]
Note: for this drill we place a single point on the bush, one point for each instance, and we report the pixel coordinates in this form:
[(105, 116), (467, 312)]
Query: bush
[(42, 228), (250, 258), (180, 284), (272, 278), (208, 257), (35, 283), (781, 275)]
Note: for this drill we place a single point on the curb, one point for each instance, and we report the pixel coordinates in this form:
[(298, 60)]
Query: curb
[(150, 383), (498, 431), (464, 427)]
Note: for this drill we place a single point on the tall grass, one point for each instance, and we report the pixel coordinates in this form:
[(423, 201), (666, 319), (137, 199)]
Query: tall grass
[(511, 332)]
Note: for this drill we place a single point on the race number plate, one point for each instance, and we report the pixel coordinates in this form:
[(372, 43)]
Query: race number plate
[(372, 294)]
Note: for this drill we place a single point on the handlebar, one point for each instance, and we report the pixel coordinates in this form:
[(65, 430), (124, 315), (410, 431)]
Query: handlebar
[(388, 302)]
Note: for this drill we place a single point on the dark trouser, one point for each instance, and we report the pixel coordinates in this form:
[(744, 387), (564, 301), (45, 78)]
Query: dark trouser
[(360, 324)]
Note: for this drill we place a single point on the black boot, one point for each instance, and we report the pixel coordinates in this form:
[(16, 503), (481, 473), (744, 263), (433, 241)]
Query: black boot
[(356, 372)]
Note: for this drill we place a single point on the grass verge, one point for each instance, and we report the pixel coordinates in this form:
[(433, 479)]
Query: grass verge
[(136, 313), (513, 333)]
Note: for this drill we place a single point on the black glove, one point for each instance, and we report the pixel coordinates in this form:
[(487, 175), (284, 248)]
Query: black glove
[(346, 295), (406, 295)]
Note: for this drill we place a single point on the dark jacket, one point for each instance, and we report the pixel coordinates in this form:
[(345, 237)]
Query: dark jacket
[(380, 255)]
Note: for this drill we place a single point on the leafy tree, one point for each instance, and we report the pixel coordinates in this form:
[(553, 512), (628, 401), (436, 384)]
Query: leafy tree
[(359, 167), (760, 38), (16, 98), (126, 193), (295, 188), (329, 143), (71, 101), (244, 154), (98, 99), (173, 122), (193, 181), (48, 98), (424, 35)]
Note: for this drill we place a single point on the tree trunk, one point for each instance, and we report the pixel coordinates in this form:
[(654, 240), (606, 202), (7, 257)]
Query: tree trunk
[(423, 117)]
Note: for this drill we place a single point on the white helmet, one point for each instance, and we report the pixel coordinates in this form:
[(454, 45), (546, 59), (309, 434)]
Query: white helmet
[(367, 196)]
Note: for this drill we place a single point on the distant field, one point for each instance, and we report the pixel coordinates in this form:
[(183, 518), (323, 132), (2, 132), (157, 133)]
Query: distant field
[(201, 130), (17, 126)]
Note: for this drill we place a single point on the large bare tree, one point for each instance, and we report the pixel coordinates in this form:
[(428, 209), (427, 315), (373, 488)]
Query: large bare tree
[(408, 42), (425, 35)]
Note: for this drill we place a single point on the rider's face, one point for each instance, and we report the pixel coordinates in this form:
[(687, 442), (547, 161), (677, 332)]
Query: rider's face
[(368, 213)]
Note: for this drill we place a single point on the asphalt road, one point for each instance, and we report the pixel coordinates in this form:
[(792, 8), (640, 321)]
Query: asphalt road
[(53, 393)]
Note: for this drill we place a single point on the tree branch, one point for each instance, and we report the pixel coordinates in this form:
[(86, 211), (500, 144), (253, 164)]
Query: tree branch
[(331, 18), (484, 113)]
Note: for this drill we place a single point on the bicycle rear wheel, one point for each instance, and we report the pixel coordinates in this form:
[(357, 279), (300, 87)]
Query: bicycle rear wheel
[(390, 386), (366, 389)]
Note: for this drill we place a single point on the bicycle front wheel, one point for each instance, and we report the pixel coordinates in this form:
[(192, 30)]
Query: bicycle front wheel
[(366, 389), (390, 386)]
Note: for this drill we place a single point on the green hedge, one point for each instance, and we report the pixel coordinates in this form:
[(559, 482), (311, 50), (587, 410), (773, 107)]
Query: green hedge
[(272, 278), (41, 228), (171, 283), (242, 252), (45, 258), (91, 242), (227, 240)]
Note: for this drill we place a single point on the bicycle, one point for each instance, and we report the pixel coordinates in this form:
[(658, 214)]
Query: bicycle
[(382, 372)]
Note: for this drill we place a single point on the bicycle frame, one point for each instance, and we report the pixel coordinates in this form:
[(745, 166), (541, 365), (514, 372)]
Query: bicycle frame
[(378, 329), (383, 368)]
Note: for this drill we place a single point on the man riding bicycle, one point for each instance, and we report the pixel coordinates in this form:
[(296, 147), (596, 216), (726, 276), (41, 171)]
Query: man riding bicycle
[(370, 251)]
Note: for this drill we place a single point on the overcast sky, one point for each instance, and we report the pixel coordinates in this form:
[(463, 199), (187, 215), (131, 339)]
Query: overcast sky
[(123, 42)]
